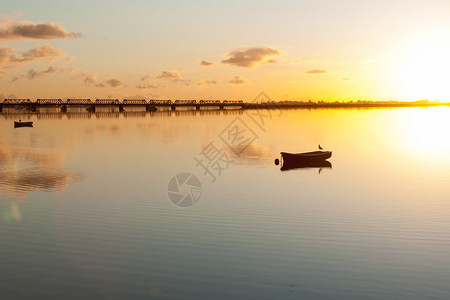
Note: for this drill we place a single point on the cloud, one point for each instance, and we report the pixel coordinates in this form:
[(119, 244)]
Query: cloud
[(44, 51), (91, 80), (32, 74), (206, 82), (172, 75), (206, 63), (237, 80), (146, 86), (114, 83), (11, 30), (316, 71), (12, 60), (5, 55), (250, 57)]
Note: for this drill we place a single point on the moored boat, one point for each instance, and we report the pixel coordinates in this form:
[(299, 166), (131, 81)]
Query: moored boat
[(315, 156)]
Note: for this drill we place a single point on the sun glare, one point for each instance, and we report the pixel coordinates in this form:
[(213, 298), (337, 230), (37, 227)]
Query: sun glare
[(424, 132), (421, 69)]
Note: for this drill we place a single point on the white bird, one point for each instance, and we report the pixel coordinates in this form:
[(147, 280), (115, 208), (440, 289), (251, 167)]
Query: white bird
[(320, 147)]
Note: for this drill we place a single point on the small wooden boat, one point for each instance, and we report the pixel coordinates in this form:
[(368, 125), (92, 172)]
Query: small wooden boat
[(315, 156), (22, 124)]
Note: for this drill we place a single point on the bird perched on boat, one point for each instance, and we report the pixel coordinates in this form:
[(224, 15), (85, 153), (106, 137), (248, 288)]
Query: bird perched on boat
[(320, 147)]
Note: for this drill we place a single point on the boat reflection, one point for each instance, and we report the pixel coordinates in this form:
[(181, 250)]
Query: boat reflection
[(288, 165), (22, 124)]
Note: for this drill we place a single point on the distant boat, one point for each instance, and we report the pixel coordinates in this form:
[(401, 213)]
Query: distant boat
[(22, 124), (315, 156)]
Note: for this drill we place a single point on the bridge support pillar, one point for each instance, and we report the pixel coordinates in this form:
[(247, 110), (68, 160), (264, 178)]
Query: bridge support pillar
[(1, 108), (121, 108), (64, 108), (221, 107), (197, 107), (173, 107), (93, 108), (150, 108)]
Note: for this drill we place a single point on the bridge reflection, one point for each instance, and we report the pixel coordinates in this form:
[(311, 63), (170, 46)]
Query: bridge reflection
[(27, 115)]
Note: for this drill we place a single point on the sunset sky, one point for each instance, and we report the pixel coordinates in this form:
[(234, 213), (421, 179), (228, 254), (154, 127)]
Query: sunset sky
[(292, 50)]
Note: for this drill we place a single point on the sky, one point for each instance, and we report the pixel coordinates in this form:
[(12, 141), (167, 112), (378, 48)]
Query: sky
[(320, 50)]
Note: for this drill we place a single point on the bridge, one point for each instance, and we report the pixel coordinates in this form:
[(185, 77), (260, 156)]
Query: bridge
[(151, 105), (49, 101), (107, 102)]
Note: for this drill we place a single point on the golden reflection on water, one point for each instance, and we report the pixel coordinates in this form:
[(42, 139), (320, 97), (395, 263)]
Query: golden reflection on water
[(377, 210), (24, 170), (385, 136), (425, 131)]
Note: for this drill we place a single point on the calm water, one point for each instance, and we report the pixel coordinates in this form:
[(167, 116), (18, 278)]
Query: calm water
[(85, 210)]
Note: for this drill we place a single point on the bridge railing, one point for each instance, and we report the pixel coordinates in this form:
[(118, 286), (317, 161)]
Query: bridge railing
[(134, 101), (79, 101), (160, 102), (210, 102), (49, 101), (185, 102), (107, 101), (17, 101), (233, 101)]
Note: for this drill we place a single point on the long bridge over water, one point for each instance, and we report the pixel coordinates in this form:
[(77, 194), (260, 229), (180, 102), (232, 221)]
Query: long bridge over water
[(153, 105)]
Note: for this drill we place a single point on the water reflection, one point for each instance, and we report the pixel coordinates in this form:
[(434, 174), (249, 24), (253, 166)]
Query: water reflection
[(288, 165), (254, 154), (35, 179), (23, 171), (377, 222), (79, 114)]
